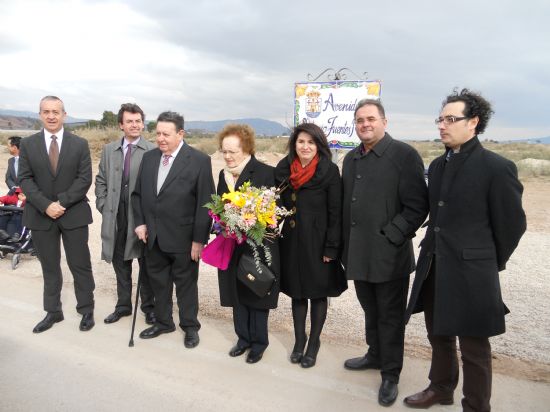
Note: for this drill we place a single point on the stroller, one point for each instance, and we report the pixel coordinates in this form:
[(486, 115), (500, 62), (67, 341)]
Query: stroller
[(17, 244)]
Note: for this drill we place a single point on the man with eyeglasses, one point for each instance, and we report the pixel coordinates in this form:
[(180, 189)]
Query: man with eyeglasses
[(476, 221), (385, 202)]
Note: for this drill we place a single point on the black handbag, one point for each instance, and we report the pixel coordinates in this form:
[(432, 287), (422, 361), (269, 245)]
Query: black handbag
[(260, 283)]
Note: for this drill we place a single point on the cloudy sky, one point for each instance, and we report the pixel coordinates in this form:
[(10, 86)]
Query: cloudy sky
[(213, 60)]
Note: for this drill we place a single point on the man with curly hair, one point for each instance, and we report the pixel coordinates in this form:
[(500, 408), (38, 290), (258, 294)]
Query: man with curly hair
[(476, 222)]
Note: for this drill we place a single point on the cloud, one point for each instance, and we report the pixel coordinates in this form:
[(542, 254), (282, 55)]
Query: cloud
[(240, 58)]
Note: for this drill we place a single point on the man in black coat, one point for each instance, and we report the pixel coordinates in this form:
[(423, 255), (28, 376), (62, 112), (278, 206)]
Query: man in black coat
[(385, 202), (55, 173), (173, 184), (476, 221), (14, 143)]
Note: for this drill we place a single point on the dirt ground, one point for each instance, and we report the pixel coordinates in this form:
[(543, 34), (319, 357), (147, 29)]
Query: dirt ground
[(522, 352)]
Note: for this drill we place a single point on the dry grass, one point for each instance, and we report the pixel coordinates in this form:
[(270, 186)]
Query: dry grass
[(521, 153), (206, 143)]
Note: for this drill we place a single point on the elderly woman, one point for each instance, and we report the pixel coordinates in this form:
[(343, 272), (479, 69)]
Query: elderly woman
[(250, 312), (311, 238)]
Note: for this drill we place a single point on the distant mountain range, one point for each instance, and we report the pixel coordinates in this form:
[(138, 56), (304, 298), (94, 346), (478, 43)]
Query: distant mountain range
[(33, 115), (260, 126), (539, 140), (21, 120)]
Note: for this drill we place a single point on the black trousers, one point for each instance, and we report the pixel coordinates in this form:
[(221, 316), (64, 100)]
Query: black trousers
[(48, 247), (169, 269), (11, 222), (384, 305), (476, 359), (251, 327), (123, 269)]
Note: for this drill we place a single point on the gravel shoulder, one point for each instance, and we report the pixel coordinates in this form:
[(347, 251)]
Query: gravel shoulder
[(522, 352)]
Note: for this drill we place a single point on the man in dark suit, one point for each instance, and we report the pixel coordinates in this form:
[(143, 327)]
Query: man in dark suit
[(476, 221), (385, 202), (55, 173), (13, 164), (173, 184), (115, 181)]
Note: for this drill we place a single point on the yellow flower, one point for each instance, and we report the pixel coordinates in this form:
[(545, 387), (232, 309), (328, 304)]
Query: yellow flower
[(235, 197), (270, 219)]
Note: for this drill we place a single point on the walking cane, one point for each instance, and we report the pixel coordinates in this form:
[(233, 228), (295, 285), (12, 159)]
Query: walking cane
[(131, 343)]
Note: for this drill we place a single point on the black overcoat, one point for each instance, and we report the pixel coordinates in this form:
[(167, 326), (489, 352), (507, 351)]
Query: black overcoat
[(232, 291), (476, 221), (385, 202), (313, 231)]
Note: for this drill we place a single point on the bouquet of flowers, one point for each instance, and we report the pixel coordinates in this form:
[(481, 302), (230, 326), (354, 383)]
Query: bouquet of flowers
[(250, 215)]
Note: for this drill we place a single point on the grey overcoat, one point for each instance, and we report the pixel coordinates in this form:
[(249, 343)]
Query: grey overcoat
[(107, 191)]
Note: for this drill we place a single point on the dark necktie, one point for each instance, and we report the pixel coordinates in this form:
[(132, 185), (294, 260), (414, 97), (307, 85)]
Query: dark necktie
[(449, 156), (166, 160), (54, 154), (126, 170)]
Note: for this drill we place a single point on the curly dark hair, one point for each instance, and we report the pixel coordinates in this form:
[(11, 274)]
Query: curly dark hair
[(474, 106), (316, 133)]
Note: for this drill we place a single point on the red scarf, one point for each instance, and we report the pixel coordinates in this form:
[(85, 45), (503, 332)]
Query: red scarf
[(300, 175)]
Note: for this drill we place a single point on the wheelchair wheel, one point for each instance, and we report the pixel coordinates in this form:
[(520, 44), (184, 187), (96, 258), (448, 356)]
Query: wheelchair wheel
[(15, 260)]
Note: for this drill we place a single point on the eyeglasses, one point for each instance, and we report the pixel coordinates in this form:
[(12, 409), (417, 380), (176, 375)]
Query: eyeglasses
[(362, 121), (447, 120)]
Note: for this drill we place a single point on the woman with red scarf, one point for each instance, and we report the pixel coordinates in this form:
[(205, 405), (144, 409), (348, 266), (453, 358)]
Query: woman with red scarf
[(312, 237)]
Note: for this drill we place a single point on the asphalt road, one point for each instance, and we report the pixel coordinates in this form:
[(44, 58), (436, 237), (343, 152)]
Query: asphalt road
[(64, 369)]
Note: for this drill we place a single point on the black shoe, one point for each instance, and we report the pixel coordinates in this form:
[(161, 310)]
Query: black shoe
[(297, 352), (296, 357), (237, 351), (427, 398), (87, 322), (191, 339), (48, 322), (387, 393), (361, 363), (254, 357), (155, 331), (116, 315), (310, 358), (150, 318)]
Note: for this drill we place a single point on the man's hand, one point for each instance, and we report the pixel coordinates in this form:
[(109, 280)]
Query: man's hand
[(141, 232), (326, 259), (55, 210), (196, 250)]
